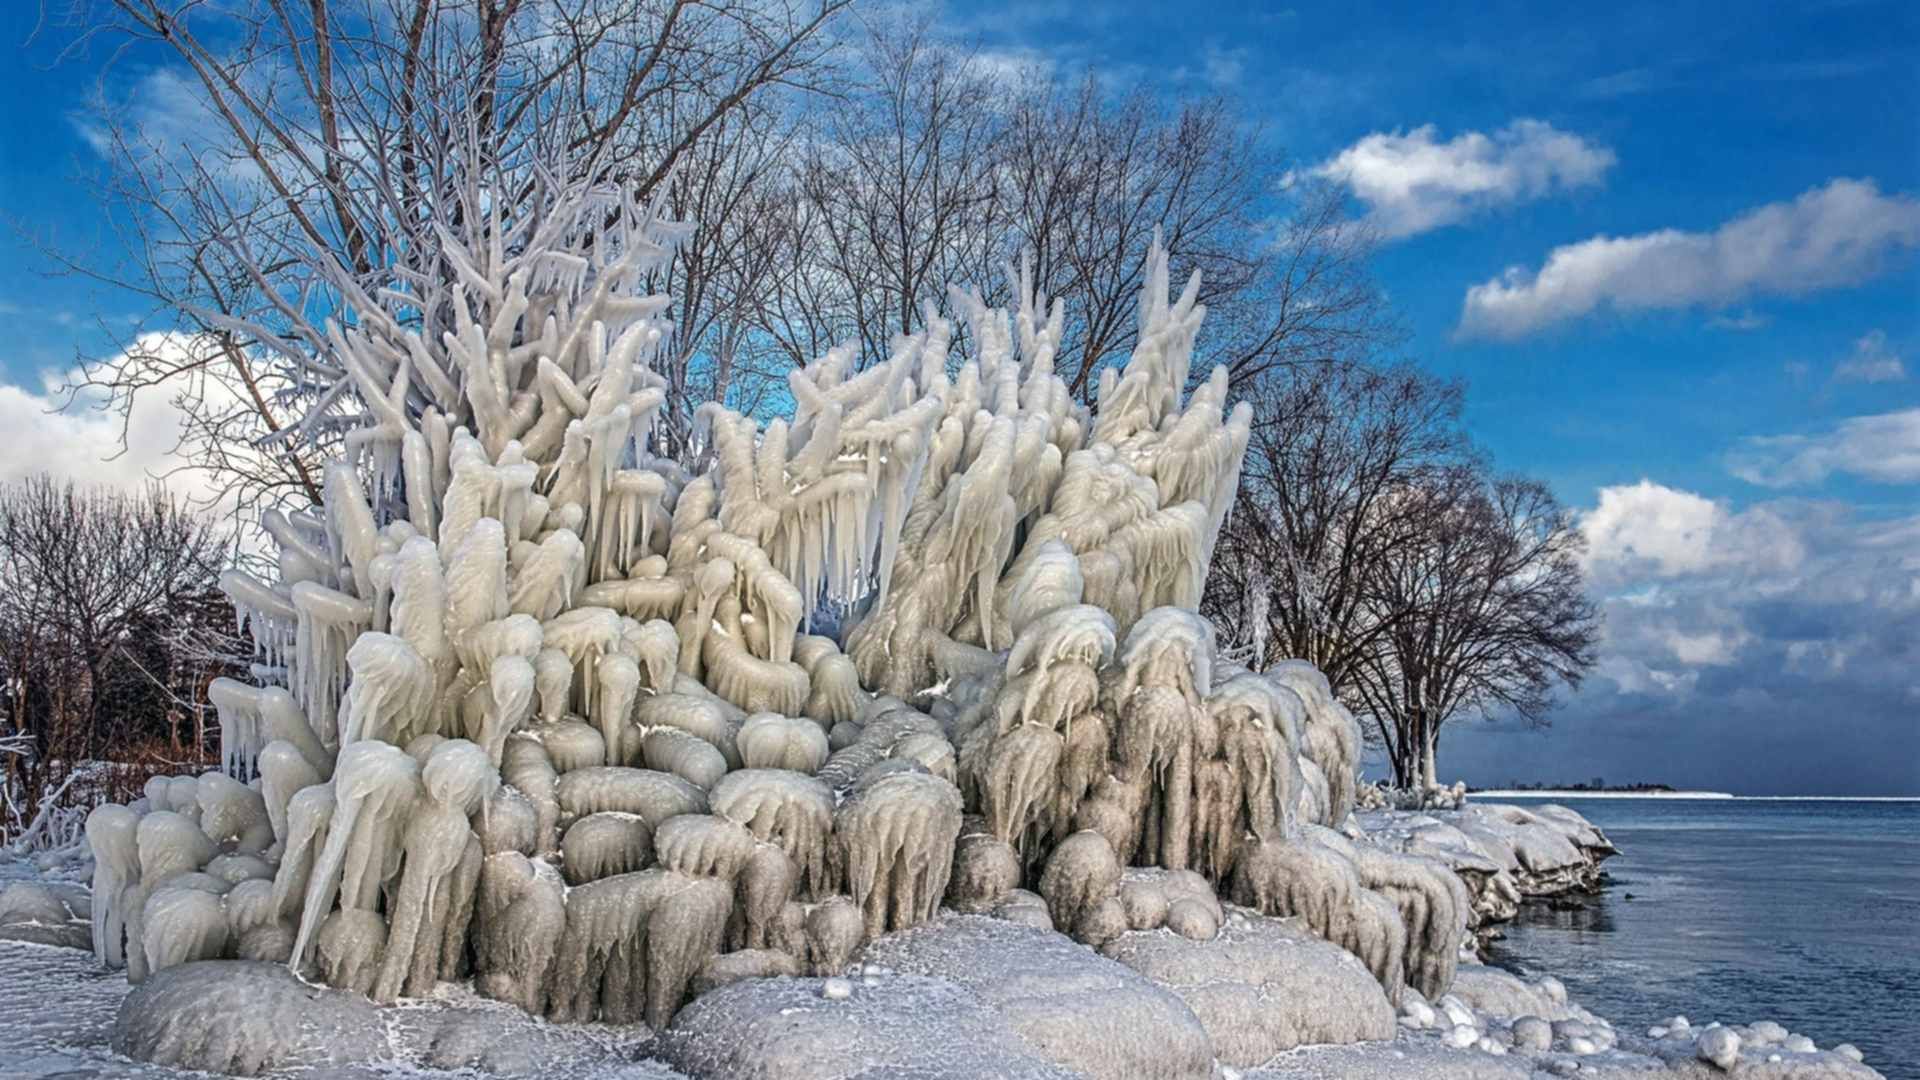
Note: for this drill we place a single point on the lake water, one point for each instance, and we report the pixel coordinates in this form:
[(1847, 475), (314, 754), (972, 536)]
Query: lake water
[(1737, 910)]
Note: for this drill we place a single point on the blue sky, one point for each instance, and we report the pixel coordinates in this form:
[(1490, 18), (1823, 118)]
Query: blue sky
[(1671, 249)]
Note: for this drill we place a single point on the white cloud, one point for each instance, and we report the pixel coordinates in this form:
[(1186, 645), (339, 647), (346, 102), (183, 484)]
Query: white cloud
[(81, 441), (1884, 447), (1872, 361), (164, 108), (1830, 236), (1709, 647), (1671, 530), (1412, 183), (1012, 66), (1646, 530), (1790, 588)]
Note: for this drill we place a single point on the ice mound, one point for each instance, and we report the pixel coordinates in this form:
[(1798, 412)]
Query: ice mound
[(1262, 986), (1072, 1007), (244, 1017), (49, 913), (840, 1029)]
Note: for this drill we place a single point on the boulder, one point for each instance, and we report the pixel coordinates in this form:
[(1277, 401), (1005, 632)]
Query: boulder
[(1262, 985), (900, 1026), (244, 1017), (1070, 1005)]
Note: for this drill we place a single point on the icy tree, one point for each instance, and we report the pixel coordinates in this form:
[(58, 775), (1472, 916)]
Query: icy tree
[(543, 706)]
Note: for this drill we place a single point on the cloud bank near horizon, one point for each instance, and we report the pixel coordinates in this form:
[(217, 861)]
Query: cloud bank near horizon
[(1769, 650)]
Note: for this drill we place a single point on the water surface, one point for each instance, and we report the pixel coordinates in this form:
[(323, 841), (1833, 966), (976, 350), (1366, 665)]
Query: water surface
[(1806, 912)]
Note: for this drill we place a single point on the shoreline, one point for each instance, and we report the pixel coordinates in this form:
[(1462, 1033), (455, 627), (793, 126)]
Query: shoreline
[(961, 972)]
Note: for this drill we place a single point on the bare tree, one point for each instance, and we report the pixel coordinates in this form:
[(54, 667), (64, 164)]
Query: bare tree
[(1089, 179), (1333, 449), (332, 141), (1487, 608), (736, 184), (946, 171), (897, 196), (110, 628)]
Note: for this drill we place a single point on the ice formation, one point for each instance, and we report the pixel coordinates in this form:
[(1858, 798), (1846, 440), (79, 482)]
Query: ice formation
[(598, 729)]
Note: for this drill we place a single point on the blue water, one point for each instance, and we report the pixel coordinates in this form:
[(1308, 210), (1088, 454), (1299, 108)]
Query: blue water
[(1802, 912)]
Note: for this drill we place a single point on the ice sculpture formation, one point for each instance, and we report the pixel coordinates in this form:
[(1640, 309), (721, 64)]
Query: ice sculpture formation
[(593, 727)]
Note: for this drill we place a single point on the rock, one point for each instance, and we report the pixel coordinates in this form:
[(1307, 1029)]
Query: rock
[(243, 1017), (1025, 908), (1072, 1006), (41, 915), (1765, 1033), (1497, 993), (1262, 986), (1720, 1046), (910, 1026), (495, 1040), (1532, 1033), (1416, 1012), (1571, 1029), (1457, 1011)]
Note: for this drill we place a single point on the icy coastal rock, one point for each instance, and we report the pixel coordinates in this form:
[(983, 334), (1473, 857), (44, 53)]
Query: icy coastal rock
[(1072, 1007), (787, 1029), (244, 1018), (1502, 853), (1262, 986), (50, 913)]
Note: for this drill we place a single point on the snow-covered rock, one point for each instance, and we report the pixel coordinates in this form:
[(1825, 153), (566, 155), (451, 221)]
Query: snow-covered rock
[(1070, 1005), (1262, 986), (1498, 993), (46, 913), (243, 1017), (1502, 853), (906, 1026)]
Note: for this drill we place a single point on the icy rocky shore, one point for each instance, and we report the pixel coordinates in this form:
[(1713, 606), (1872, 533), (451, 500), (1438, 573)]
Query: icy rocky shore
[(1262, 998), (1505, 854)]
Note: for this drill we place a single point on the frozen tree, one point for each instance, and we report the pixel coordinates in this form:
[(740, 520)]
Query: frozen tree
[(594, 673), (534, 700), (294, 130)]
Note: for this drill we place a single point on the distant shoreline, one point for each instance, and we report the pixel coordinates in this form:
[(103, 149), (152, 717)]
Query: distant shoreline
[(1575, 793)]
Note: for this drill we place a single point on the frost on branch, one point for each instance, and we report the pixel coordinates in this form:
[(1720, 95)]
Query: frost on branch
[(597, 728)]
